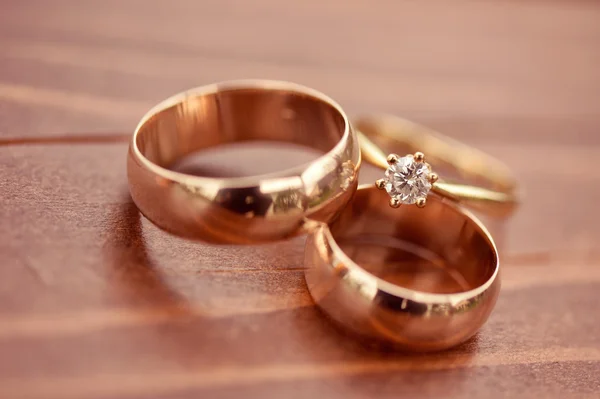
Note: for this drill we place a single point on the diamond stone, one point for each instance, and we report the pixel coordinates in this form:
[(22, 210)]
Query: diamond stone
[(407, 180)]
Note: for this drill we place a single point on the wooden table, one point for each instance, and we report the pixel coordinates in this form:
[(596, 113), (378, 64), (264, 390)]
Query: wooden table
[(96, 302)]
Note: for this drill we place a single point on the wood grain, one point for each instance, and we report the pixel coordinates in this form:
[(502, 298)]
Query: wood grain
[(95, 302)]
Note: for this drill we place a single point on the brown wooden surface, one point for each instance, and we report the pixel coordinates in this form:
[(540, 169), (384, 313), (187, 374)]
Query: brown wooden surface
[(96, 302)]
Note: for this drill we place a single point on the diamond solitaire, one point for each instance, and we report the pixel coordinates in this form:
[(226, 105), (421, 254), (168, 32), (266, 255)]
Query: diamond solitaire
[(407, 180)]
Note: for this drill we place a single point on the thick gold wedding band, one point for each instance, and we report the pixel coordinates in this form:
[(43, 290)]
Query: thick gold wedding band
[(443, 238), (246, 209), (475, 179)]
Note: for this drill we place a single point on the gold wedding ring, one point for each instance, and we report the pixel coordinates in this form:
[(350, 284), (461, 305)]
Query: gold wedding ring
[(369, 270), (474, 179), (246, 209)]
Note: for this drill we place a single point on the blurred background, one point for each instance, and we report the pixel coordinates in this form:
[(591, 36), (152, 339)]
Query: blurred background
[(95, 302), (441, 61)]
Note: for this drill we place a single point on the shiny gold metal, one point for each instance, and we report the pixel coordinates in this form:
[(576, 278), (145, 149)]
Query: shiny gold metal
[(433, 177), (419, 157), (245, 209), (420, 279), (421, 202), (394, 202), (472, 177), (392, 159), (380, 184)]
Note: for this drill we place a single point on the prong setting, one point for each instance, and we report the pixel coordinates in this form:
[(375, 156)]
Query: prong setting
[(407, 180), (392, 159), (419, 157)]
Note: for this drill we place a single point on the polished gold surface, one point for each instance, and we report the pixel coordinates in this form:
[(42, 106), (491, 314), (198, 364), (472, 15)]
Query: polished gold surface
[(419, 279), (245, 209), (471, 177)]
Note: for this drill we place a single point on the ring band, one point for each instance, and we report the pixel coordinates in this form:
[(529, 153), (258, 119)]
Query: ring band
[(452, 241), (490, 185), (247, 209)]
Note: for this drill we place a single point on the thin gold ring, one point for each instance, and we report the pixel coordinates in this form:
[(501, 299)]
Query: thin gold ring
[(476, 180), (345, 262), (247, 209)]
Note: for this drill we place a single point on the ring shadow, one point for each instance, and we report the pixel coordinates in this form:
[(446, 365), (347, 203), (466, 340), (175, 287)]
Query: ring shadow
[(134, 275)]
